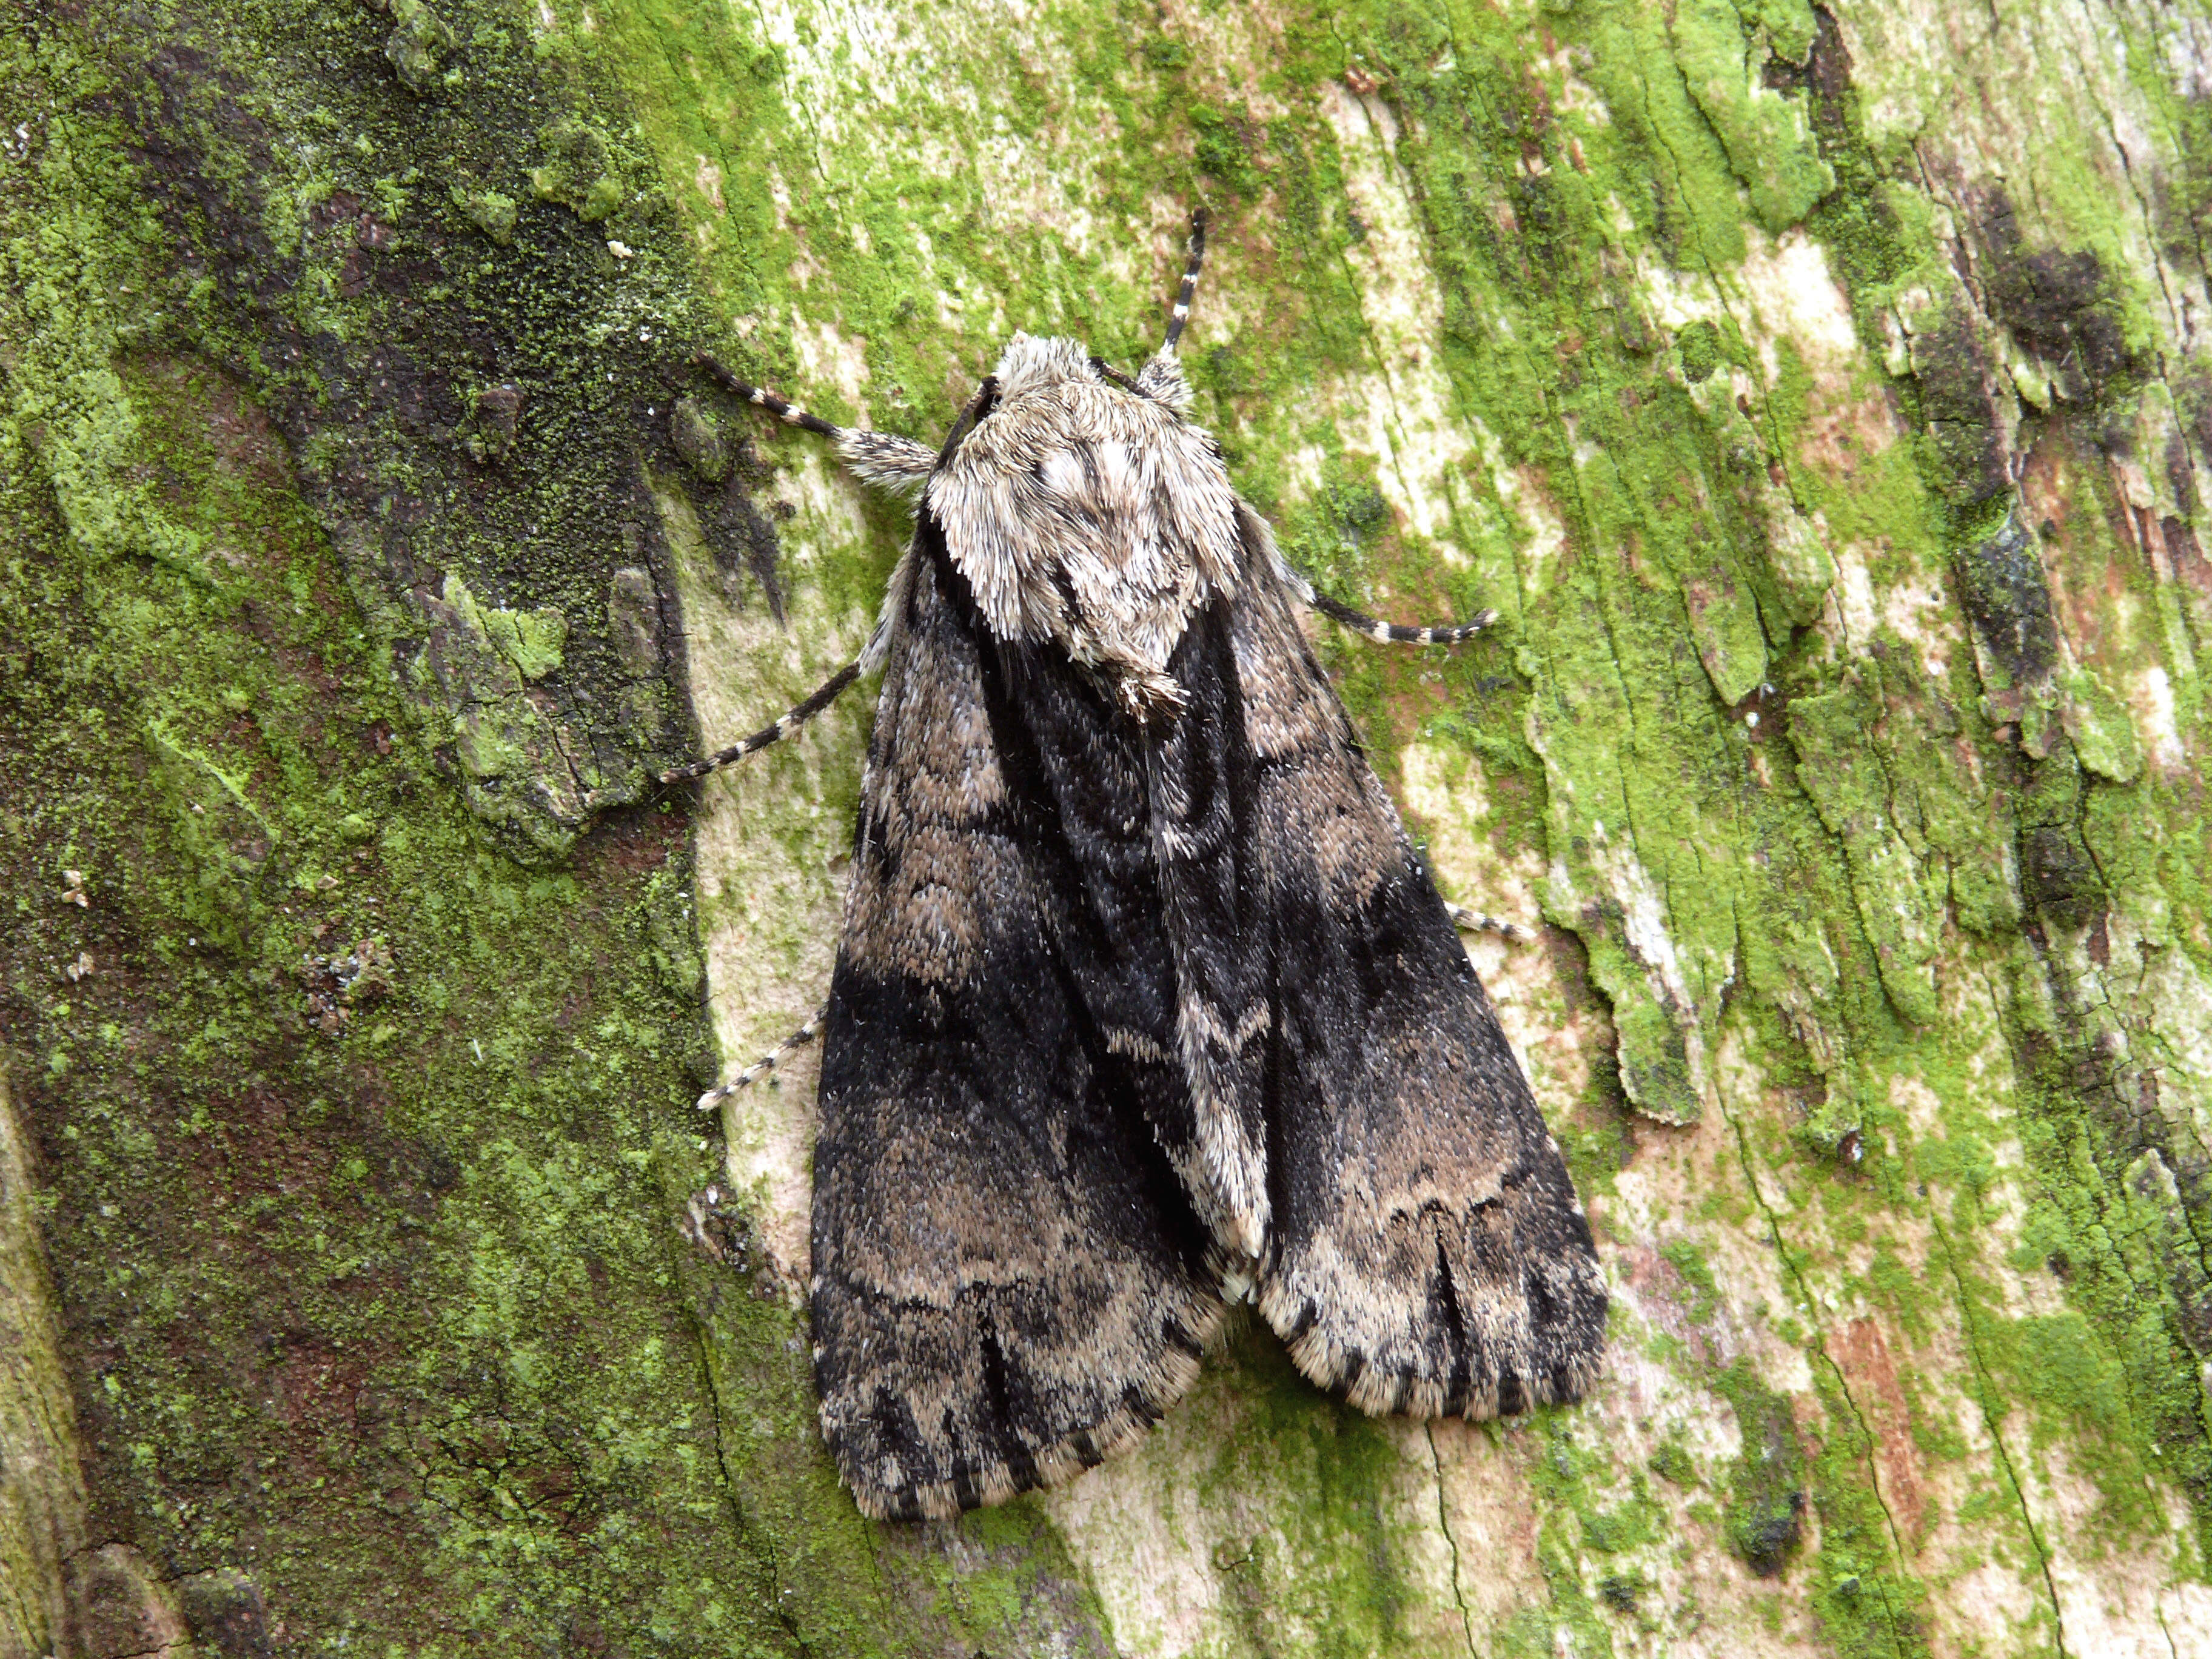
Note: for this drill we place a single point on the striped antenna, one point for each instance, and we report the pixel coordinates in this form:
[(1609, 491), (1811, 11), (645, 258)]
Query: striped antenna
[(1189, 291), (1396, 633)]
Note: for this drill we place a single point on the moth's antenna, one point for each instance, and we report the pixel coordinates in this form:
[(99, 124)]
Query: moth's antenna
[(1382, 632), (883, 459), (1189, 291), (1162, 377), (1385, 633), (985, 400)]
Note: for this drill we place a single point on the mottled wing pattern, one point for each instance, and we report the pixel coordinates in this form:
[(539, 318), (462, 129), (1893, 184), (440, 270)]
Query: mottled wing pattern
[(1428, 1255), (1142, 827), (1009, 1279)]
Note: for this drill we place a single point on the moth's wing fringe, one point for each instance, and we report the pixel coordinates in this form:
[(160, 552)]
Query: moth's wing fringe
[(989, 1485), (1515, 1385)]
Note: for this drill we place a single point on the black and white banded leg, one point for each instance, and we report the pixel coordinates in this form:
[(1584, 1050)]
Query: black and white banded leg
[(766, 1065), (1478, 921), (819, 699), (881, 459), (1382, 632)]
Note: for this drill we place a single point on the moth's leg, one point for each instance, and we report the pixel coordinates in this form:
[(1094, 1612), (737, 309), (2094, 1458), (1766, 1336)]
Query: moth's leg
[(881, 459), (819, 699), (1385, 633), (1162, 378), (1476, 921), (767, 1062)]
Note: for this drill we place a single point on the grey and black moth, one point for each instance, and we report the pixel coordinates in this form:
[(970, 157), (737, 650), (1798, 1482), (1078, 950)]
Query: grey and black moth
[(1144, 1002)]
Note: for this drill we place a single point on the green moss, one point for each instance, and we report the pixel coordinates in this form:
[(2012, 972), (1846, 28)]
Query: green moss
[(417, 1266), (222, 838), (1688, 1260), (493, 213), (530, 639), (1699, 344), (1330, 1572), (1767, 137), (1822, 852), (1671, 1463), (418, 46), (1221, 151), (578, 171)]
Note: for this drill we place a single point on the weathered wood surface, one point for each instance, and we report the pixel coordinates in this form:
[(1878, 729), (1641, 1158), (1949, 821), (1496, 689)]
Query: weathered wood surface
[(1820, 396)]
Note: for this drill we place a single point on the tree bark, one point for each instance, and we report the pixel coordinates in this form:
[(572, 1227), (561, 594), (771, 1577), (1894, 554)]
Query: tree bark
[(1819, 395)]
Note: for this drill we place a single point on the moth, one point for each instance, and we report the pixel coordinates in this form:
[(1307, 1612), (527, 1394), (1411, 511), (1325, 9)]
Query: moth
[(1144, 1002)]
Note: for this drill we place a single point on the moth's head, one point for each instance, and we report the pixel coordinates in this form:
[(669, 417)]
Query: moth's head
[(1031, 363)]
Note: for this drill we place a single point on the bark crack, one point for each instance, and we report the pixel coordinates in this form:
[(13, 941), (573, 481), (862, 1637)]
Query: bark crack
[(2150, 228), (1996, 1437), (1443, 1525), (1398, 175), (1820, 1347), (744, 1533), (783, 79)]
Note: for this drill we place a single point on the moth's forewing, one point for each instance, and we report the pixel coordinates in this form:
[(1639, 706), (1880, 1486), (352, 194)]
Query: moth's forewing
[(1427, 1254), (1009, 1281)]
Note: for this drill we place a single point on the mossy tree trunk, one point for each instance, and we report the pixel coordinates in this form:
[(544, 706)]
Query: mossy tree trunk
[(1818, 394)]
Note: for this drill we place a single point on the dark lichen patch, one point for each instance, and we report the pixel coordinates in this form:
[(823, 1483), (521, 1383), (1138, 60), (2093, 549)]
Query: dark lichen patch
[(1224, 149), (723, 478), (462, 354), (2058, 303), (375, 1337), (1961, 406), (2007, 597), (1767, 1486), (698, 437), (2116, 1224)]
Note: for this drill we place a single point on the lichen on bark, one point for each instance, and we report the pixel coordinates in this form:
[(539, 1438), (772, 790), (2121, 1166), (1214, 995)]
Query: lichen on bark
[(1816, 392)]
